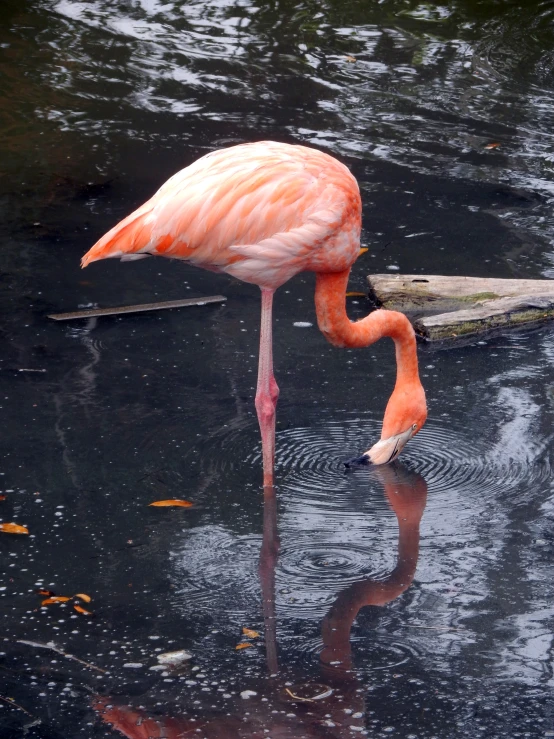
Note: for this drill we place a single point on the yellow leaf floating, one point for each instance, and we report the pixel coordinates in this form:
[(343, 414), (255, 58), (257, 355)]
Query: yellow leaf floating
[(84, 596), (13, 528), (250, 633), (354, 294), (169, 503), (55, 599), (243, 645), (79, 609)]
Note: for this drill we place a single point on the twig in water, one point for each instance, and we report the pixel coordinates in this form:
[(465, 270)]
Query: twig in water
[(54, 648), (11, 702)]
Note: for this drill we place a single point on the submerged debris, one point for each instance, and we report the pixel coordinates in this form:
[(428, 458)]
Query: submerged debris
[(51, 645), (174, 659)]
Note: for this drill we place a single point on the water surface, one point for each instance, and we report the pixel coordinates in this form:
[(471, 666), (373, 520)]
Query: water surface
[(420, 597)]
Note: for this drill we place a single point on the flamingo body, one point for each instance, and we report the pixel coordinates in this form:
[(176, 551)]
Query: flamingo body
[(262, 212)]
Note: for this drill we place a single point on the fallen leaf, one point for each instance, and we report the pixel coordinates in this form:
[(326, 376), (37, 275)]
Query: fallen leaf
[(2, 497), (45, 592), (243, 645), (84, 596), (350, 58), (55, 599), (250, 633), (354, 294), (168, 503), (13, 528), (363, 250), (79, 609), (493, 145)]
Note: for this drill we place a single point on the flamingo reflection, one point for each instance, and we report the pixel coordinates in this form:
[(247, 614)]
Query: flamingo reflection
[(329, 709)]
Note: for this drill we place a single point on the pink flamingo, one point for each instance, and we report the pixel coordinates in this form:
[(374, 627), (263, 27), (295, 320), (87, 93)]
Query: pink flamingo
[(263, 212)]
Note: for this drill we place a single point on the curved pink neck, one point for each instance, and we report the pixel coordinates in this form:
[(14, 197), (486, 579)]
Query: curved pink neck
[(338, 329)]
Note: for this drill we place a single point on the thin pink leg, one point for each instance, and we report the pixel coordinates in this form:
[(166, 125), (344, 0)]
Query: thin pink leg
[(267, 391)]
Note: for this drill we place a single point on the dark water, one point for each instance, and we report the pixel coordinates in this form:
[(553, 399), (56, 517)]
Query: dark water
[(420, 596)]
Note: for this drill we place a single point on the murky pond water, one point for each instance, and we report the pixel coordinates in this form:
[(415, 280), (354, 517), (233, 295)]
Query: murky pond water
[(414, 601)]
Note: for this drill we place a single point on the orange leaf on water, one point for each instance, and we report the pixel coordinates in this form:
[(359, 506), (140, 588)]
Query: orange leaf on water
[(79, 609), (84, 596), (168, 503), (3, 497), (243, 645), (250, 633), (45, 592), (55, 599), (493, 145), (13, 528), (354, 294)]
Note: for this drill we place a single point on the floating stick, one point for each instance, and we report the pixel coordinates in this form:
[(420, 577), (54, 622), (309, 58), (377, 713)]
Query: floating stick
[(140, 308)]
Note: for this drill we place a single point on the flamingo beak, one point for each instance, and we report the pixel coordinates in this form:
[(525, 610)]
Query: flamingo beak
[(385, 451)]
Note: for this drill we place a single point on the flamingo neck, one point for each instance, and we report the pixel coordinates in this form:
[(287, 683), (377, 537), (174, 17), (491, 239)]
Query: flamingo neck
[(338, 329)]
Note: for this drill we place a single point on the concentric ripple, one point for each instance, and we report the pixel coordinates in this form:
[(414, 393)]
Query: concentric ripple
[(218, 572), (309, 461), (309, 574), (338, 528)]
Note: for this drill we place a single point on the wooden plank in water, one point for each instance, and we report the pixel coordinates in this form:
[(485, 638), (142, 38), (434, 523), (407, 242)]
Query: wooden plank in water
[(439, 293), (445, 308), (140, 308)]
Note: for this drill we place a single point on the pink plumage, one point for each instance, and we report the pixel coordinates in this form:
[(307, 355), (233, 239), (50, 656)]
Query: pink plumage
[(261, 212)]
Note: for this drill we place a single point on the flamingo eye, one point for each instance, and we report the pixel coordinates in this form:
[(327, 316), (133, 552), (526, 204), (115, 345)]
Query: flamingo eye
[(414, 426)]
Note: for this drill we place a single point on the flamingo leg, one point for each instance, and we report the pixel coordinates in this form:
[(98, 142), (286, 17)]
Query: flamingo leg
[(267, 391)]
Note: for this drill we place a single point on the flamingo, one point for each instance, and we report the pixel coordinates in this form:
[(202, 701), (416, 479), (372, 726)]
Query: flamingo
[(263, 212)]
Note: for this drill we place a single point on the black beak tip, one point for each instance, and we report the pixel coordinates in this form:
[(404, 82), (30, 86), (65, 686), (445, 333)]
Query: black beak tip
[(362, 461)]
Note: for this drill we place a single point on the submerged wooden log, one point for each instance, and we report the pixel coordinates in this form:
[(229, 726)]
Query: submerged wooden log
[(454, 307), (487, 315), (139, 308)]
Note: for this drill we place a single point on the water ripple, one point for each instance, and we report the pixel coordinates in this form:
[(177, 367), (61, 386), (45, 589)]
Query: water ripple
[(218, 572), (337, 529)]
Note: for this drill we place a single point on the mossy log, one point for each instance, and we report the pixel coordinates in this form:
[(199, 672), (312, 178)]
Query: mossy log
[(453, 307)]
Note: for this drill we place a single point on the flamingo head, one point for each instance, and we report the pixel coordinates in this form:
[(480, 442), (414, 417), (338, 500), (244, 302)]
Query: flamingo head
[(405, 415)]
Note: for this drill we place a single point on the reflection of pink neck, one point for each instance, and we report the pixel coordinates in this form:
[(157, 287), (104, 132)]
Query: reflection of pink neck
[(407, 494)]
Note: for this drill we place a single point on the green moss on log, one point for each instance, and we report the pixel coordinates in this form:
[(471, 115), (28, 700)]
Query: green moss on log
[(482, 325), (476, 297), (405, 299)]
